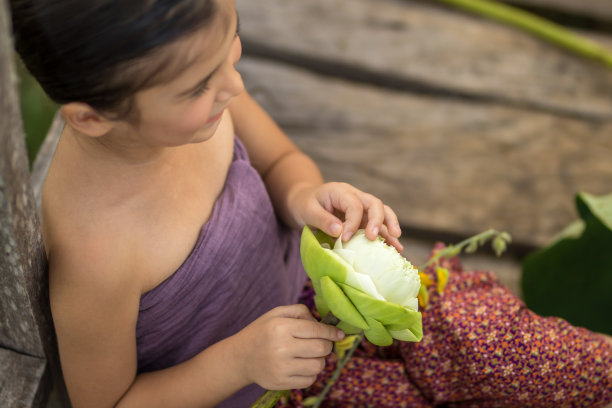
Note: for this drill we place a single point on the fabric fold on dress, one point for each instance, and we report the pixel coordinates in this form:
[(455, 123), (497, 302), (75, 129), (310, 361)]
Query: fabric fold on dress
[(244, 263)]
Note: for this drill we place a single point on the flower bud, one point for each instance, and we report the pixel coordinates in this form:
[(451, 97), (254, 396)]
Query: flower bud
[(366, 284)]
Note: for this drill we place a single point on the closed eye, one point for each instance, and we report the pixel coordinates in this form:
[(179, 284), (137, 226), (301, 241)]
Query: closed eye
[(202, 86)]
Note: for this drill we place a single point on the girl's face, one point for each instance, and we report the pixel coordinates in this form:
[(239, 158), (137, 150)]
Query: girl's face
[(189, 108)]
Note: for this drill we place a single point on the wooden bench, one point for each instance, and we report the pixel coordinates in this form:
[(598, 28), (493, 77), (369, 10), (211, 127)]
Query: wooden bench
[(458, 122), (29, 365)]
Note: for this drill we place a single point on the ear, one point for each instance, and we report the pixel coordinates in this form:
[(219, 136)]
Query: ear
[(85, 119)]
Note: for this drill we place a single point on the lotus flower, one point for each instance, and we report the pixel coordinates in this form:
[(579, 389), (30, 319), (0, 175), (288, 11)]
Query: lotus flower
[(366, 284)]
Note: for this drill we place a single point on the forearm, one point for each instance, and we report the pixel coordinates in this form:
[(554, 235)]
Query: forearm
[(203, 381), (289, 176), (283, 167)]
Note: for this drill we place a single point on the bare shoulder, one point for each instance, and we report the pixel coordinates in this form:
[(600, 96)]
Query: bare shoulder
[(79, 235), (94, 300)]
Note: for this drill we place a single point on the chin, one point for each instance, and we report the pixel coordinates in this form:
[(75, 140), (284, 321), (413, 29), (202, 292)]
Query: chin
[(202, 136)]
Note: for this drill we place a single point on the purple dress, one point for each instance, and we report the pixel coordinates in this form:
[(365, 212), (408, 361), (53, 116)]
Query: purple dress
[(226, 282)]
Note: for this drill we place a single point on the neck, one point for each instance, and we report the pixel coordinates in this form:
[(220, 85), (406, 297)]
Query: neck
[(116, 150)]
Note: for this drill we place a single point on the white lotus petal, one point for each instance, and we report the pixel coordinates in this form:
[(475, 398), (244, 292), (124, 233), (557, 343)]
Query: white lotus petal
[(364, 283), (412, 304), (393, 276), (346, 254)]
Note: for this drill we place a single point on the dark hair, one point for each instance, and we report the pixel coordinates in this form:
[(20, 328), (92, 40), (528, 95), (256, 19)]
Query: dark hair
[(100, 51)]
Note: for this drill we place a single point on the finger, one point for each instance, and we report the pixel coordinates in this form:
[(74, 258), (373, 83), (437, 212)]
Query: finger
[(394, 242), (343, 199), (312, 348), (301, 381), (375, 214), (390, 239), (297, 311), (308, 366), (392, 222), (353, 214), (325, 221), (316, 330)]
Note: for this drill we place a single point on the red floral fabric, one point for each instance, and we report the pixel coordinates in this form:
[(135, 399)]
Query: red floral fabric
[(481, 348)]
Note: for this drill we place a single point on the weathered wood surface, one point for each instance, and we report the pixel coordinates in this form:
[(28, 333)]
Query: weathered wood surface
[(25, 320), (20, 380), (19, 233), (504, 131), (427, 47)]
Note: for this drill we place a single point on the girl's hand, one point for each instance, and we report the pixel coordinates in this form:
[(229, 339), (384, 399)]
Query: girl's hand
[(285, 348), (317, 206)]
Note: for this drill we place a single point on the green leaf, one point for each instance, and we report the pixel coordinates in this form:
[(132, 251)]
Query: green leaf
[(414, 333), (323, 238), (405, 335), (499, 245), (348, 328), (389, 314), (319, 262), (321, 305), (472, 247), (377, 333), (572, 278), (310, 401), (339, 304), (592, 206)]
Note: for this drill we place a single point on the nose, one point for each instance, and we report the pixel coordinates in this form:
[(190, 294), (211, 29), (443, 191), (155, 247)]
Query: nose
[(232, 83)]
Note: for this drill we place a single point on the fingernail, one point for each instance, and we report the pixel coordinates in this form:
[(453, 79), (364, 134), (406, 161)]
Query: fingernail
[(346, 236), (335, 229), (340, 334), (375, 230)]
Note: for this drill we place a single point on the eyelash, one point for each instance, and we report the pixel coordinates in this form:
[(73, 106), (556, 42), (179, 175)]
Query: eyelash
[(200, 91)]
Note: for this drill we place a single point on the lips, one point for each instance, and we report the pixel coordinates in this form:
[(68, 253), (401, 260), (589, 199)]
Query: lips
[(215, 118)]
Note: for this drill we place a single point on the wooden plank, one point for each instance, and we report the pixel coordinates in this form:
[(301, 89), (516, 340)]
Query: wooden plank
[(430, 48), (26, 326), (23, 265), (443, 165), (20, 378)]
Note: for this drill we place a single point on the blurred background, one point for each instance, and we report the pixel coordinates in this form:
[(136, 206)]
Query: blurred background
[(36, 108), (458, 121)]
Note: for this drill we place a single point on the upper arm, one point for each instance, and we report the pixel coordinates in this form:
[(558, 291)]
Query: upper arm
[(94, 303)]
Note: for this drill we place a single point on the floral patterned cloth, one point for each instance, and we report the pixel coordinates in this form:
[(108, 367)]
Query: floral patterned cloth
[(481, 348)]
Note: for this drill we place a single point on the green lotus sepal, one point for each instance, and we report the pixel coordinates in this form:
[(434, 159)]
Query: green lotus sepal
[(366, 284)]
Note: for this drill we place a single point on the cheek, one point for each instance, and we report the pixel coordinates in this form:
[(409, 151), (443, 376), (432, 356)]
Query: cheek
[(195, 115)]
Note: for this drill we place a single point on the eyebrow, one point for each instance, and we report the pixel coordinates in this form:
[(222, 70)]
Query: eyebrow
[(204, 81)]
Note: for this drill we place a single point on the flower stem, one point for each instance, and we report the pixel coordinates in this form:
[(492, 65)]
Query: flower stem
[(269, 399), (470, 243), (336, 373)]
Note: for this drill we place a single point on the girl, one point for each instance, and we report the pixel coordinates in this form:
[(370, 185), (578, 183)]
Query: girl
[(170, 214), (161, 238)]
